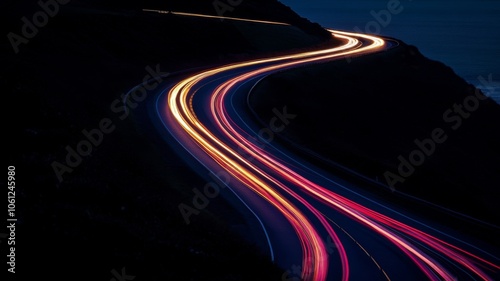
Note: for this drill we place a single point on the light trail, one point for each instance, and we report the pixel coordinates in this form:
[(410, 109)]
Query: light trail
[(270, 178), (213, 17), (360, 213)]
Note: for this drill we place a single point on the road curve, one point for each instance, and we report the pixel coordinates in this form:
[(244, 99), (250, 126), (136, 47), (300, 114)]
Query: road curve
[(200, 113)]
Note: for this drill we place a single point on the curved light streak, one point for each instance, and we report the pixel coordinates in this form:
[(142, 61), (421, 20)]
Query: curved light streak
[(270, 177)]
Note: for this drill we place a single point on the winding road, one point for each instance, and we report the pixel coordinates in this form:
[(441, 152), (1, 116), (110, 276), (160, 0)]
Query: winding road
[(318, 227)]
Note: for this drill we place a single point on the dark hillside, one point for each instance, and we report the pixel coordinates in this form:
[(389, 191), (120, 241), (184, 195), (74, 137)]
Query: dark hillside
[(119, 207), (366, 114)]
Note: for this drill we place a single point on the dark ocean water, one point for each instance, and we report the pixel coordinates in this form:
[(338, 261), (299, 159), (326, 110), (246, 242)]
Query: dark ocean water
[(462, 34)]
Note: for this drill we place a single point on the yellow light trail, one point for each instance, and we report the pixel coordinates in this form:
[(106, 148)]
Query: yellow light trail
[(315, 258), (181, 114), (214, 17)]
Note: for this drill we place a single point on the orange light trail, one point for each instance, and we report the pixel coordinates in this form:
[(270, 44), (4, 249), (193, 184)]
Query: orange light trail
[(315, 258), (214, 17), (271, 179)]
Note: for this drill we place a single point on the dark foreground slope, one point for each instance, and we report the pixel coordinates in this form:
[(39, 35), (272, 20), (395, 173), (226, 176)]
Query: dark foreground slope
[(366, 114), (118, 208)]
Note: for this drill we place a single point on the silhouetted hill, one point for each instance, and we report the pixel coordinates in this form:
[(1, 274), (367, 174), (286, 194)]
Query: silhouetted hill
[(256, 9), (378, 113), (119, 207)]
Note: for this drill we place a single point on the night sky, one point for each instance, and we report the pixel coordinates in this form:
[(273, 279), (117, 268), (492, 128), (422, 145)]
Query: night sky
[(462, 34)]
